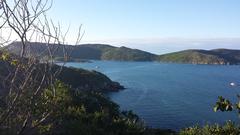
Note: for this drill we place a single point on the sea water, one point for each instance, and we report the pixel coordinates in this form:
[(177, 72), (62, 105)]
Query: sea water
[(171, 96)]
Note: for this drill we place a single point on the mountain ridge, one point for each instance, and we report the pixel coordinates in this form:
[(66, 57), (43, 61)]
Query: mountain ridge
[(220, 56)]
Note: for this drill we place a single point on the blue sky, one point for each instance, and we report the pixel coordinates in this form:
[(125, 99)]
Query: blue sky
[(134, 22)]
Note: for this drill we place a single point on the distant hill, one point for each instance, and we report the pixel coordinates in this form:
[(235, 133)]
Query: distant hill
[(127, 54), (85, 51), (217, 56), (107, 52)]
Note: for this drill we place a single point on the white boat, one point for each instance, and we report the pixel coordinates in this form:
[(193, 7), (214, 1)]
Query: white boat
[(232, 84)]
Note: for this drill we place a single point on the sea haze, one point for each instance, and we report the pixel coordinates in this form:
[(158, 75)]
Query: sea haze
[(171, 96)]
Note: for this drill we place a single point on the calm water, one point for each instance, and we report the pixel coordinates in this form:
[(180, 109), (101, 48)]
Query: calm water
[(171, 96)]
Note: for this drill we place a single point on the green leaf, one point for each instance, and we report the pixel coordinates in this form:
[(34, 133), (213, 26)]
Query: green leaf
[(215, 109), (14, 62), (5, 56), (238, 105), (229, 108)]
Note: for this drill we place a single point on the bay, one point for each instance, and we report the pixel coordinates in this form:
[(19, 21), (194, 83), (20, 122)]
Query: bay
[(171, 96)]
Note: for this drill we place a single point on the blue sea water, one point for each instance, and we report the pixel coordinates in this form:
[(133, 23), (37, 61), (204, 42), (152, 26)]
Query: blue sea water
[(171, 96)]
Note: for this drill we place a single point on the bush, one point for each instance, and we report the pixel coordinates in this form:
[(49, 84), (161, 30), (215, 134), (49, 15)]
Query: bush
[(87, 113), (228, 129)]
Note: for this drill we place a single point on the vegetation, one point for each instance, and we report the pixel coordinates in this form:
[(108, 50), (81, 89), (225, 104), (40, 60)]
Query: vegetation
[(219, 56), (87, 80), (191, 56), (228, 129), (106, 52), (34, 101), (76, 112), (90, 113), (68, 109), (76, 78), (39, 97), (86, 51), (127, 54)]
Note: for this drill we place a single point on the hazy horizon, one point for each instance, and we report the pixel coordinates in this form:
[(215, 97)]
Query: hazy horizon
[(168, 45), (157, 26)]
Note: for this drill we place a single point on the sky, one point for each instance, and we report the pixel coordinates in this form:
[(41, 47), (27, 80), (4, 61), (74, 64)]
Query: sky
[(158, 26)]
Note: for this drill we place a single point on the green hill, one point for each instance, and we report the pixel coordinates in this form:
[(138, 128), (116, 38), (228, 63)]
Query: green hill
[(80, 79), (217, 56), (107, 52), (84, 51), (127, 54)]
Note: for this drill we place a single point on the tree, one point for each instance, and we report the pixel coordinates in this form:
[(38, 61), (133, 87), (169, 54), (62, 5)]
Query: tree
[(25, 77)]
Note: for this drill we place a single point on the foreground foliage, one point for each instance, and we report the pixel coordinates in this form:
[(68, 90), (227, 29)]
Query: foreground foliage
[(228, 129), (76, 112), (90, 113)]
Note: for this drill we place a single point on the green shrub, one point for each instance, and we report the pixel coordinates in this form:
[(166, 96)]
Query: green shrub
[(228, 129)]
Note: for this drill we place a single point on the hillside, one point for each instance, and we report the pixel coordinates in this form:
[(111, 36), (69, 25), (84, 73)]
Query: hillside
[(81, 53), (217, 56), (82, 79), (84, 51), (79, 79), (127, 54)]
